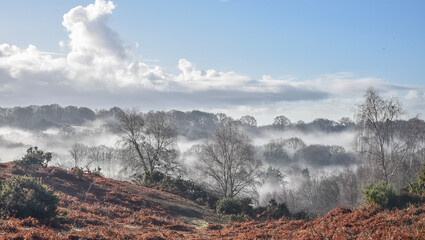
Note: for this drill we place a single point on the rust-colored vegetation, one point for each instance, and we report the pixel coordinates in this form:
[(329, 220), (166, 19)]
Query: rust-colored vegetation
[(93, 207)]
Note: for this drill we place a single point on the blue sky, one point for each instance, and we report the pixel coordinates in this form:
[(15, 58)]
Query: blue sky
[(305, 43)]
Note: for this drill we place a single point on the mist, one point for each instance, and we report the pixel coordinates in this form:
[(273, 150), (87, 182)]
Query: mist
[(100, 132), (344, 139)]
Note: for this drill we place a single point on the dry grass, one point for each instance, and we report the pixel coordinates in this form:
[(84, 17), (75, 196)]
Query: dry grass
[(101, 208)]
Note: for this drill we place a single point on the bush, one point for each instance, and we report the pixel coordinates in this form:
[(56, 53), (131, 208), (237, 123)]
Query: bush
[(418, 187), (149, 179), (184, 188), (272, 211), (229, 205), (77, 172), (32, 161), (380, 194), (277, 210), (238, 217), (24, 196), (302, 215), (247, 208), (238, 209), (406, 198)]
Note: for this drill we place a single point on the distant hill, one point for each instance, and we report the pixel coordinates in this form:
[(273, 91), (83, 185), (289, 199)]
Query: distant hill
[(191, 124)]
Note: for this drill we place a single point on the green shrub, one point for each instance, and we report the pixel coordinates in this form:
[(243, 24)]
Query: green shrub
[(406, 198), (24, 196), (32, 161), (238, 209), (229, 205), (184, 188), (380, 194), (62, 216), (238, 217), (272, 211), (302, 215), (189, 189), (418, 187), (277, 210), (149, 179), (247, 208)]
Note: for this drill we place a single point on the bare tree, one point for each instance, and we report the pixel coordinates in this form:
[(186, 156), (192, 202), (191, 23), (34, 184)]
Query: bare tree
[(228, 160), (153, 140), (382, 141), (274, 153), (294, 144), (308, 193), (328, 195), (349, 188), (131, 127), (160, 145), (102, 156), (281, 121), (347, 122), (249, 120), (78, 153)]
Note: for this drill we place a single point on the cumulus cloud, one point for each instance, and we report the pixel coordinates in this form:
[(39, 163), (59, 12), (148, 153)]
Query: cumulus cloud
[(98, 58), (18, 61), (99, 67), (414, 95)]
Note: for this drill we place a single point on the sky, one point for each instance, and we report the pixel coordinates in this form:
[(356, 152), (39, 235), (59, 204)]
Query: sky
[(301, 59)]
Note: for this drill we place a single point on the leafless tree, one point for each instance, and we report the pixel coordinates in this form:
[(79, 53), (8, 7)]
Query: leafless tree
[(308, 193), (349, 188), (281, 121), (131, 127), (229, 161), (249, 120), (78, 153), (160, 145), (103, 156), (152, 139), (294, 144), (383, 141), (275, 153), (328, 195)]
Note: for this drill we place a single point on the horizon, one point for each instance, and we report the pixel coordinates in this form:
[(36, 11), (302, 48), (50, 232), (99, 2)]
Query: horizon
[(97, 110)]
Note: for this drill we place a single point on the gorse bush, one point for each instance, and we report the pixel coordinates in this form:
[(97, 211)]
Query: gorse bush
[(184, 188), (418, 187), (25, 196), (150, 178), (238, 209), (380, 194), (274, 210), (32, 161), (277, 210), (229, 205)]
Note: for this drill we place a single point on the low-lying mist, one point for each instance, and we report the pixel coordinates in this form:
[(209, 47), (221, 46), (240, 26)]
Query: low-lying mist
[(14, 141), (98, 134), (343, 139)]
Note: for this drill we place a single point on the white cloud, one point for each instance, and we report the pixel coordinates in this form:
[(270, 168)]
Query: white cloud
[(98, 59), (413, 94), (30, 60), (100, 68)]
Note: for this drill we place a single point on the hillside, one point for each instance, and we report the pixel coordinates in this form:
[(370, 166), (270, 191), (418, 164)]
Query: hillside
[(101, 208)]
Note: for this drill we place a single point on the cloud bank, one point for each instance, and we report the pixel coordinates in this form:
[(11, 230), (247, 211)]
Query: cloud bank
[(100, 70)]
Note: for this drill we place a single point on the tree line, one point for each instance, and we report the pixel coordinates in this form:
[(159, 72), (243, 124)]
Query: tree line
[(388, 149), (312, 178)]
